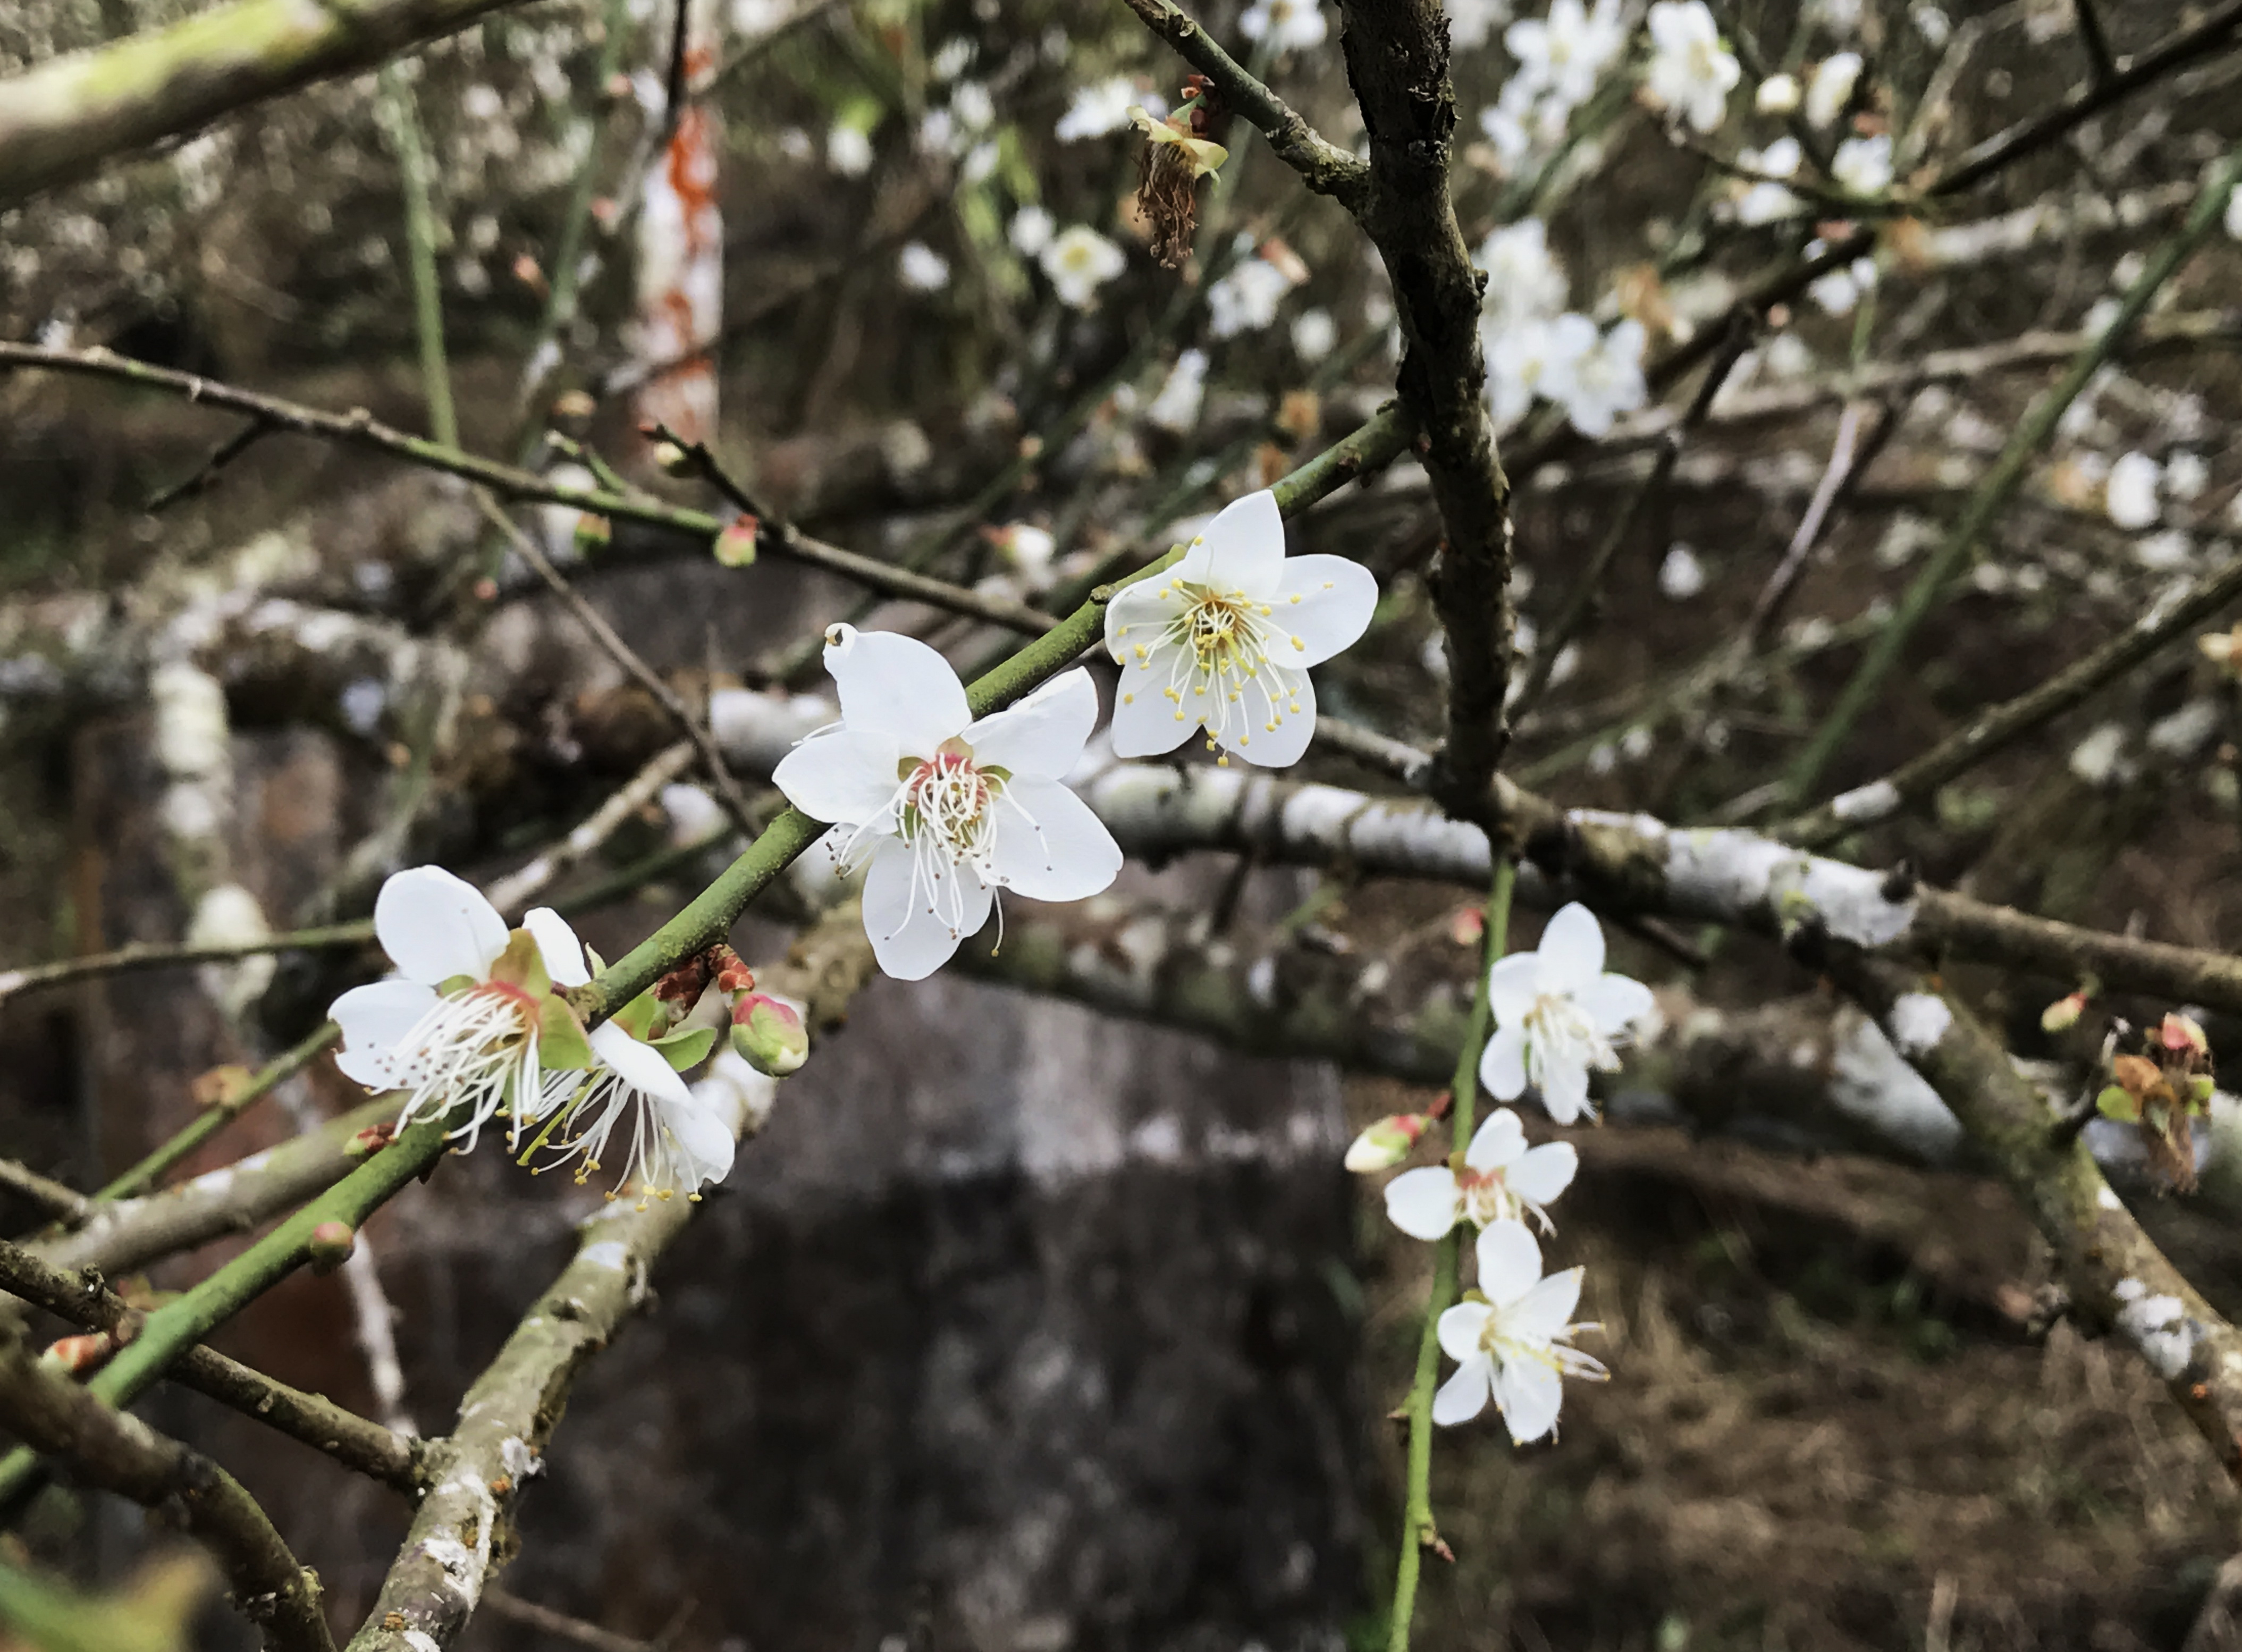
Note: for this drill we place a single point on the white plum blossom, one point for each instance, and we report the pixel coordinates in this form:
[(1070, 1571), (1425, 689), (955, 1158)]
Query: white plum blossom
[(1177, 405), (1098, 109), (1472, 23), (1863, 165), (1502, 1177), (947, 807), (1523, 278), (1223, 640), (677, 1140), (1516, 1347), (1691, 74), (1315, 332), (1079, 260), (1682, 575), (1557, 1017), (1831, 88), (1534, 358), (1777, 94), (849, 151), (1764, 201), (2131, 496), (1566, 53), (923, 270), (470, 1020), (1288, 25), (1607, 380), (1245, 300), (1031, 231)]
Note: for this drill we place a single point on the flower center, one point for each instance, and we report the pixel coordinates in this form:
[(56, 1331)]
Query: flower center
[(949, 800), (1561, 1033), (1224, 642)]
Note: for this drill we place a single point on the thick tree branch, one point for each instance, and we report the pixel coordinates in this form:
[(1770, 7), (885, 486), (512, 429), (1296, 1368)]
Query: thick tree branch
[(64, 119), (1397, 61), (2115, 1276), (121, 1453), (357, 1443)]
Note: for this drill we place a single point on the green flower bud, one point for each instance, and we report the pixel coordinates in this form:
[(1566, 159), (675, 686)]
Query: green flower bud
[(768, 1035)]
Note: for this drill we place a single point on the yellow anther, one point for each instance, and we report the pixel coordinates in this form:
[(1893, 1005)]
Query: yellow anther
[(1301, 646), (1128, 699)]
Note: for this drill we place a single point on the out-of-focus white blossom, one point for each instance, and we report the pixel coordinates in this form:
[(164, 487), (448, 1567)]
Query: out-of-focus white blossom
[(1680, 576), (1079, 260), (1099, 109), (1176, 407), (1690, 73), (1524, 280), (1607, 380), (1533, 358), (1031, 231), (1287, 25), (1315, 332), (1567, 53), (1864, 165), (847, 151), (1245, 300), (1473, 23), (1831, 88), (1764, 202), (923, 270), (1777, 94), (2131, 498)]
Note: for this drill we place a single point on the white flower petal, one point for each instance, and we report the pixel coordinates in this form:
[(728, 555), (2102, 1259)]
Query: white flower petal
[(703, 1141), (1564, 1090), (1512, 986), (1242, 550), (1262, 746), (847, 775), (374, 1017), (434, 926), (1541, 1173), (910, 941), (1139, 614), (1498, 1142), (1528, 1394), (1502, 1063), (1463, 1396), (1613, 1002), (1509, 1261), (1422, 1203), (1144, 721), (1544, 1312), (1460, 1328), (641, 1066), (558, 945), (1043, 734), (1326, 602), (1571, 955), (1066, 854), (896, 685)]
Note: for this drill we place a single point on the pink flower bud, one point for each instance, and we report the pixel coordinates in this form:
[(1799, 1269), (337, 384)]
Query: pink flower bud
[(768, 1036), (672, 459), (1386, 1143), (78, 1356), (331, 1247), (593, 532), (736, 545), (2062, 1013), (2183, 1036)]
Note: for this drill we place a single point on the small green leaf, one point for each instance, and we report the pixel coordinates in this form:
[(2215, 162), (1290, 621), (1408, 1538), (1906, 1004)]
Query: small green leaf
[(561, 1043), (452, 983), (2200, 1089), (2117, 1102), (637, 1016), (688, 1049), (523, 965)]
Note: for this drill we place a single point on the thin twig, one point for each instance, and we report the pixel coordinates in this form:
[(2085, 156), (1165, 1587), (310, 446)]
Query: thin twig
[(1419, 1531), (121, 1453), (512, 893), (63, 1204), (85, 1299), (2100, 65), (1996, 726), (402, 117), (361, 429), (1999, 486), (688, 724), (205, 475), (1582, 596), (151, 1170), (506, 1604), (163, 955)]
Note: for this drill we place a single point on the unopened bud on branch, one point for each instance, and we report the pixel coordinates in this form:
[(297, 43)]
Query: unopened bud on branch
[(768, 1035), (1386, 1143), (331, 1247)]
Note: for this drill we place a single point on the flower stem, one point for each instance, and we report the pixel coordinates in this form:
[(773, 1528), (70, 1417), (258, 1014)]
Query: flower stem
[(1418, 1530)]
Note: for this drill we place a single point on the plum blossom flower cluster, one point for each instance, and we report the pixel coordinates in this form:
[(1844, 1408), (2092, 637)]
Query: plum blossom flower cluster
[(1561, 59), (1558, 1015), (1538, 351), (943, 810), (476, 1026)]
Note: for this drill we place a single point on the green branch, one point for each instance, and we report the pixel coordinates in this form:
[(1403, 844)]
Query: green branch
[(1418, 1532), (400, 116)]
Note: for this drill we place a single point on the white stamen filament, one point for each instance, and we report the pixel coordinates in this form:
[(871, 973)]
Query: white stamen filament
[(477, 1048), (591, 1117), (945, 810), (1561, 1034), (1224, 642)]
